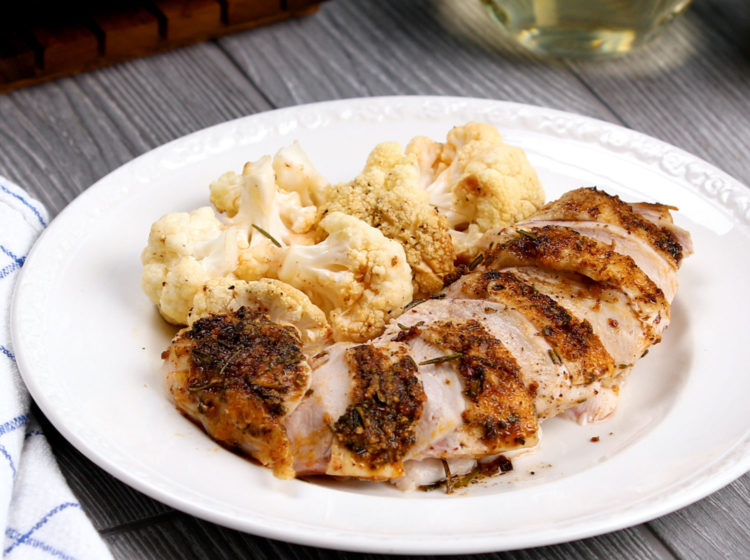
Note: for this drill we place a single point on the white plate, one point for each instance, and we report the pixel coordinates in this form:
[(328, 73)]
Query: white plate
[(88, 343)]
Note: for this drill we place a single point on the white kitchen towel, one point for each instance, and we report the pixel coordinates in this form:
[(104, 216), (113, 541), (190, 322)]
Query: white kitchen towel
[(39, 516)]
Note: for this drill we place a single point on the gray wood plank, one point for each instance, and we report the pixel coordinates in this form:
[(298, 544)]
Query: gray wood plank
[(717, 527), (181, 536), (59, 138), (361, 48)]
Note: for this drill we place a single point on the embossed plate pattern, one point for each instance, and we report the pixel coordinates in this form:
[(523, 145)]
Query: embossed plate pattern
[(88, 343)]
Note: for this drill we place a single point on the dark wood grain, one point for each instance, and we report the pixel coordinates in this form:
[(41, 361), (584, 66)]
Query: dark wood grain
[(66, 48), (127, 31), (690, 88), (17, 54), (238, 11), (73, 37)]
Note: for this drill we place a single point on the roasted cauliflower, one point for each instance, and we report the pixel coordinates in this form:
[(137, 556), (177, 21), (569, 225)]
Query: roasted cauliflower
[(360, 250), (261, 212), (476, 181), (356, 275), (280, 301), (185, 250), (270, 217), (295, 173), (388, 196)]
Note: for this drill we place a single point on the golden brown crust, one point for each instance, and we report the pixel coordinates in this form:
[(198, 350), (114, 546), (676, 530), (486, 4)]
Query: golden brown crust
[(572, 340), (243, 372), (500, 409), (591, 204), (387, 400), (422, 231), (563, 249)]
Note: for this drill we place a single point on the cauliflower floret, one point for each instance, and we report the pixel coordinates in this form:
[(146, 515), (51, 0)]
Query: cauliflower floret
[(270, 217), (260, 218), (476, 181), (184, 251), (280, 301), (357, 276), (295, 173), (388, 196)]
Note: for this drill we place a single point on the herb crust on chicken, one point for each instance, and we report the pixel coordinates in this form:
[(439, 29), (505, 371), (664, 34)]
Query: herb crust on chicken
[(550, 321)]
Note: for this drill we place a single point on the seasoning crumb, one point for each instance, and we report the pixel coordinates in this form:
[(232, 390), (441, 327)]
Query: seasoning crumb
[(595, 439), (532, 473), (611, 433)]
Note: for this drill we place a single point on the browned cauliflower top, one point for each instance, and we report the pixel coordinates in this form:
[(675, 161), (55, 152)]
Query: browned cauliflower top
[(388, 196)]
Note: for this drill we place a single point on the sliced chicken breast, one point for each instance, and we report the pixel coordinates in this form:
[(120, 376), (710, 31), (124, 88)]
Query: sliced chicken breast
[(550, 322), (239, 376)]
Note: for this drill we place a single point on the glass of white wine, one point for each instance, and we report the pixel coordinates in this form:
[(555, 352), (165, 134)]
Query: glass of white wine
[(584, 28)]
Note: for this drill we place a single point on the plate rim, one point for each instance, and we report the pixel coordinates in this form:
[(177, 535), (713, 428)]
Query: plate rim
[(704, 178)]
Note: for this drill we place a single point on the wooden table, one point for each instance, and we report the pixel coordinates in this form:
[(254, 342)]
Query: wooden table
[(690, 88)]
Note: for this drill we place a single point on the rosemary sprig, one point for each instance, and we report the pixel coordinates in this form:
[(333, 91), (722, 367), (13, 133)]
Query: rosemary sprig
[(448, 477), (464, 480), (441, 359), (414, 302), (554, 356), (206, 385), (527, 233), (476, 261), (227, 362), (266, 234)]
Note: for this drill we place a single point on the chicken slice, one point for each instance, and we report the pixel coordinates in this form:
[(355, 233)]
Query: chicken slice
[(593, 205), (376, 431), (660, 270), (601, 334), (607, 310), (308, 427), (564, 249), (499, 413), (572, 341), (238, 376), (359, 418), (660, 215), (611, 318), (445, 402), (548, 381)]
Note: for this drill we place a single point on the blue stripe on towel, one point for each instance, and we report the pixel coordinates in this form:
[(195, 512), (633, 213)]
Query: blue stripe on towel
[(13, 424), (4, 350), (18, 260), (11, 463), (25, 538), (25, 203), (6, 270), (16, 264), (34, 543)]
